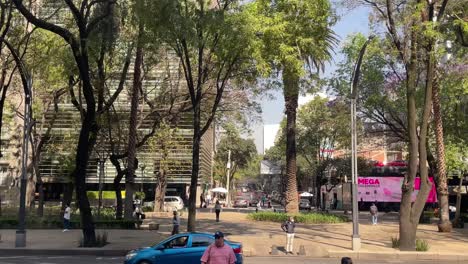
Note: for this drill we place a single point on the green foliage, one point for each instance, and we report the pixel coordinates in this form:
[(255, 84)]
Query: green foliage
[(395, 242), (422, 245), (308, 218), (455, 157), (288, 37), (94, 195)]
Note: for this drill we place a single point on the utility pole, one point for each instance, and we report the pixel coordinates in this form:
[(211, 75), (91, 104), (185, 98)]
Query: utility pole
[(227, 180), (356, 239)]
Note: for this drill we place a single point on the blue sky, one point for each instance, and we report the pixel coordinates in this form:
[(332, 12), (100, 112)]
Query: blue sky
[(352, 21)]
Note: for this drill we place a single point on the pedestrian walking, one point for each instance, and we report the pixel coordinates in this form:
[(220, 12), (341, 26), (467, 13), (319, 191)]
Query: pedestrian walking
[(208, 199), (66, 218), (288, 227), (259, 207), (137, 213), (175, 223), (219, 252), (263, 200), (217, 210), (374, 212), (346, 260)]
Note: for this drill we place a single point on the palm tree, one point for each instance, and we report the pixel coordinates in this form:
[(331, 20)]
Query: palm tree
[(297, 40)]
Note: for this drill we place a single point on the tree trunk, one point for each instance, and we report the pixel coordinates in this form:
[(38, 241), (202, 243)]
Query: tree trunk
[(195, 169), (116, 184), (87, 133), (160, 191), (2, 103), (82, 157), (291, 83), (407, 226), (132, 134), (444, 224), (410, 214), (30, 191)]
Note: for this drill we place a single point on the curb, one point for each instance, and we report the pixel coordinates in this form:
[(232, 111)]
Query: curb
[(62, 252), (402, 256)]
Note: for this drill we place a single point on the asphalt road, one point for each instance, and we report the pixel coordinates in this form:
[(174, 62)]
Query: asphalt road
[(250, 260)]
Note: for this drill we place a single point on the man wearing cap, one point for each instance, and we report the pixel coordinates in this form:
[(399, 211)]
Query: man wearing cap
[(218, 252)]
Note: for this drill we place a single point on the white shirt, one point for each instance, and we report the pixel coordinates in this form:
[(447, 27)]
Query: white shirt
[(66, 215)]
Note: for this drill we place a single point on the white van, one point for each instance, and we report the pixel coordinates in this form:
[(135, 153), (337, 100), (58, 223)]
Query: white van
[(172, 203)]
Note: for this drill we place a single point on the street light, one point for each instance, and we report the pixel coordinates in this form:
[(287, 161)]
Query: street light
[(228, 166), (27, 84), (356, 239)]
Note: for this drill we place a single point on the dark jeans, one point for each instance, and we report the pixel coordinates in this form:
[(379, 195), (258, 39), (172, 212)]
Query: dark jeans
[(66, 223), (175, 230), (217, 214)]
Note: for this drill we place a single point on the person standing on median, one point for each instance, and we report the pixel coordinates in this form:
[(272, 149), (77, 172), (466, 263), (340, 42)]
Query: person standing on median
[(175, 223), (219, 252), (66, 218), (374, 212), (217, 210), (289, 227)]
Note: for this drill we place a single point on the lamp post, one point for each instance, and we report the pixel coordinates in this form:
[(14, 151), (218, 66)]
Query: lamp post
[(27, 85), (356, 239), (142, 167), (228, 166)]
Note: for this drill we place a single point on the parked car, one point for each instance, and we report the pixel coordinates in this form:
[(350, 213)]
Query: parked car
[(182, 248), (173, 203), (304, 204), (240, 202), (253, 202)]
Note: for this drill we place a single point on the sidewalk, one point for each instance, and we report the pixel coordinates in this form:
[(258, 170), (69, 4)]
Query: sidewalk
[(258, 238)]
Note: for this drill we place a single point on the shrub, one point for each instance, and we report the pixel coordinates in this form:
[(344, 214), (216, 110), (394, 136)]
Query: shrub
[(309, 218), (422, 245), (147, 209), (395, 242)]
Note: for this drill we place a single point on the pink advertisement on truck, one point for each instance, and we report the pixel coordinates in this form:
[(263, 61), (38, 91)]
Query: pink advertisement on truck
[(388, 189)]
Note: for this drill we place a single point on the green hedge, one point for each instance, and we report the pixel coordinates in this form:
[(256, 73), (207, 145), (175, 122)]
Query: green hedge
[(110, 195), (307, 218), (47, 223)]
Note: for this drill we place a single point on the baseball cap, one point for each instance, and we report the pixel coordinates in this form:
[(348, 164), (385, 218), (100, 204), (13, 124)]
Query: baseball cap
[(218, 234)]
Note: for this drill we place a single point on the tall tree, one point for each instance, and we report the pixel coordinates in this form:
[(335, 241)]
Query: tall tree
[(211, 41), (296, 37), (431, 64), (408, 40), (78, 43), (242, 152), (132, 133)]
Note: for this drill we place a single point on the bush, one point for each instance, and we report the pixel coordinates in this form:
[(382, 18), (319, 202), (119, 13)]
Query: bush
[(109, 195), (395, 242), (147, 209), (309, 218), (422, 245)]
